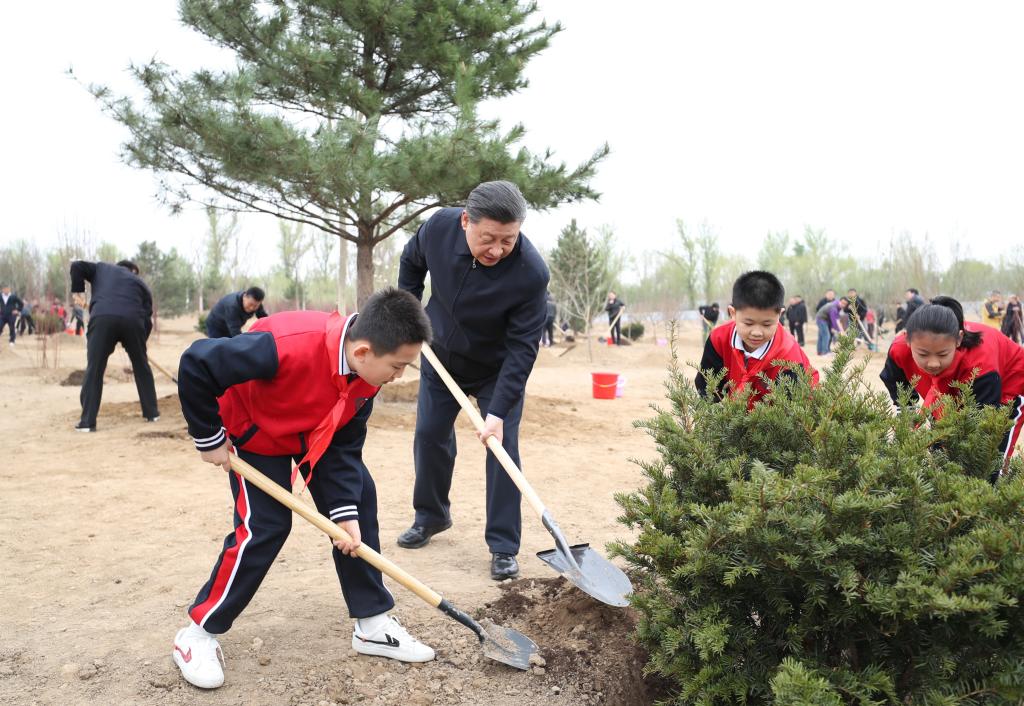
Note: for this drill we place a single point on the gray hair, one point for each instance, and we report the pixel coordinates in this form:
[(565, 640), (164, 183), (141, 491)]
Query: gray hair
[(499, 201)]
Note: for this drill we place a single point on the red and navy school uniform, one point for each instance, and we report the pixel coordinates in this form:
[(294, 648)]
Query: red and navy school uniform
[(724, 349), (283, 392), (997, 364)]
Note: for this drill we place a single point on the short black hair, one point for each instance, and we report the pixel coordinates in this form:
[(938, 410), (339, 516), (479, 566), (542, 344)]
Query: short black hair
[(390, 319), (499, 201), (129, 265), (256, 293), (945, 317), (912, 290), (758, 289)]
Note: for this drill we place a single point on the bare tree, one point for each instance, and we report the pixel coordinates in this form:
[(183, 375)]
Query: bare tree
[(293, 246)]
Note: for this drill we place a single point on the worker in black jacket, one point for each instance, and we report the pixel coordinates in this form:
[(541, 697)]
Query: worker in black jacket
[(120, 311), (10, 305), (227, 316), (796, 314), (487, 310)]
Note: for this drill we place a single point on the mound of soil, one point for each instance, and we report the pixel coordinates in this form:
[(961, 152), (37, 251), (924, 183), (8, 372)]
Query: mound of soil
[(112, 374), (587, 645), (588, 659)]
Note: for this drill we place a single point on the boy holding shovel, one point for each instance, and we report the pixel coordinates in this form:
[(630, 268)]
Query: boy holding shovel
[(298, 386)]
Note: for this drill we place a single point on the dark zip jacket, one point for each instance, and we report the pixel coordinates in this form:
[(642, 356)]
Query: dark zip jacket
[(227, 316), (487, 321), (116, 291)]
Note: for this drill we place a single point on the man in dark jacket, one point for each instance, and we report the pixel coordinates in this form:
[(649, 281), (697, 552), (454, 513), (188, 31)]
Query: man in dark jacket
[(709, 318), (830, 296), (914, 302), (797, 317), (232, 311), (487, 284), (10, 305), (120, 311), (550, 312)]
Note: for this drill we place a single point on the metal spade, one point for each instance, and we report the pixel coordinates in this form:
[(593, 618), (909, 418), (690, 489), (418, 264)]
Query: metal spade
[(503, 645), (591, 572)]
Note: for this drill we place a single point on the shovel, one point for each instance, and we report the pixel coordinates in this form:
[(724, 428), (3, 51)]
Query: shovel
[(591, 572), (500, 644), (162, 369)]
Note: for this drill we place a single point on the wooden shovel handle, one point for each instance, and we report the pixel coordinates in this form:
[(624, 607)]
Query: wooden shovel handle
[(332, 530), (493, 444), (611, 326), (162, 369)]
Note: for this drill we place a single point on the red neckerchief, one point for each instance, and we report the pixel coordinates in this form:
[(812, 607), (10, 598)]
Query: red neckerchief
[(320, 438)]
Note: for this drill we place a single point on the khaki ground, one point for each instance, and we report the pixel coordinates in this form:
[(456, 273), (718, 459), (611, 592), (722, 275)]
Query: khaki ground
[(105, 538)]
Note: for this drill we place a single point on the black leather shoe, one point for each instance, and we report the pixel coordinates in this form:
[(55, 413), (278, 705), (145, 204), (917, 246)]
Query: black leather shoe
[(503, 566), (419, 536)]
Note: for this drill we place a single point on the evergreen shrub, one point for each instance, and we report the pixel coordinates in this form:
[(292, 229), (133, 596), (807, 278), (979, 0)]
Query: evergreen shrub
[(825, 549), (634, 330)]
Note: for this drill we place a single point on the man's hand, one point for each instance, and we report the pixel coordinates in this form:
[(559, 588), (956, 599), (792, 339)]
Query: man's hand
[(493, 426), (349, 548), (220, 456), (78, 298)]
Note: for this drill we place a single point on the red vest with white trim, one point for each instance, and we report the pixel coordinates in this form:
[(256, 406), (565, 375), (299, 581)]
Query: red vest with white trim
[(745, 371), (996, 353), (288, 407)]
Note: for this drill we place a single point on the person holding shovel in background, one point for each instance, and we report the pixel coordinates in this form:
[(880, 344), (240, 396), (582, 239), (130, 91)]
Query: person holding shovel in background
[(614, 307), (487, 309), (120, 311), (298, 386)]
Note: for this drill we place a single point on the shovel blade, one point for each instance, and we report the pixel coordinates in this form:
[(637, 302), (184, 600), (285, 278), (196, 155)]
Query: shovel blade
[(508, 646), (596, 576)]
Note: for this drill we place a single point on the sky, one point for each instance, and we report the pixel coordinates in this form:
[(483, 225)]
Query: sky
[(866, 119)]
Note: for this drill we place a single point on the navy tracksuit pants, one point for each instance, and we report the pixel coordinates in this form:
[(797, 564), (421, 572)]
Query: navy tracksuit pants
[(261, 526), (7, 320), (434, 451)]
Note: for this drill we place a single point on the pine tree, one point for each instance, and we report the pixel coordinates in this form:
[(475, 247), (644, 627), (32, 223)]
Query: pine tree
[(822, 549), (353, 117), (580, 275)]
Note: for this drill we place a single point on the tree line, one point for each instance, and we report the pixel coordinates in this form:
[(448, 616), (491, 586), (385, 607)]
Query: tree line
[(697, 270)]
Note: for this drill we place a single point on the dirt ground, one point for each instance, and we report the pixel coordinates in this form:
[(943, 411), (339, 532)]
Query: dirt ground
[(105, 539)]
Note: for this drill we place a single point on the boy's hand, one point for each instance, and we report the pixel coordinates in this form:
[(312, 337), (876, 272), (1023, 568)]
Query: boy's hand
[(220, 456), (352, 527), (493, 426)]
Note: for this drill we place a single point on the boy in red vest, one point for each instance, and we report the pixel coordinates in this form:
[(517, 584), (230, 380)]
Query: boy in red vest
[(298, 386), (749, 344)]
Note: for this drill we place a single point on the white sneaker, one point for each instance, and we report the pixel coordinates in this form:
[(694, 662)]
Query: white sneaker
[(392, 641), (199, 659)]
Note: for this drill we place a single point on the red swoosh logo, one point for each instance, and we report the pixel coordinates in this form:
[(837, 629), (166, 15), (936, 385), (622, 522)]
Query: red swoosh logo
[(187, 656)]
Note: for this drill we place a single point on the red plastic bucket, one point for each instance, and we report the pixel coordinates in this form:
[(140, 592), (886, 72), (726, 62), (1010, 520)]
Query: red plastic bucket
[(604, 385)]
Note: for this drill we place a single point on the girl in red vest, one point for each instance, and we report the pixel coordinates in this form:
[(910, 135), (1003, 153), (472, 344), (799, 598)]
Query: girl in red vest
[(939, 348), (299, 386), (749, 344)]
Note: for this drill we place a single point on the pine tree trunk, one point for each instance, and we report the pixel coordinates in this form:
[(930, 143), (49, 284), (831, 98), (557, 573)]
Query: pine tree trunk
[(342, 273), (364, 267)]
